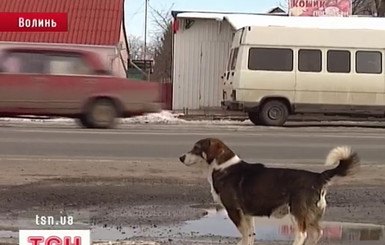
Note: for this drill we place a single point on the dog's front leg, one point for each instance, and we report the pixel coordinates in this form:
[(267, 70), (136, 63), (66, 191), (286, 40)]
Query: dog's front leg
[(247, 230), (251, 229), (244, 224)]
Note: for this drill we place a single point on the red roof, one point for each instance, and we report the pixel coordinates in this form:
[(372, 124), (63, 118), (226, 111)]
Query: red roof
[(93, 22)]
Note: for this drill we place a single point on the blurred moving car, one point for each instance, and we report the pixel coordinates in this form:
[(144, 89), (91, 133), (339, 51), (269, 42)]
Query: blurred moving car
[(70, 83)]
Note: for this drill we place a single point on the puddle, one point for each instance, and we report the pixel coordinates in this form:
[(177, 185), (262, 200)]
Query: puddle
[(270, 229), (216, 223)]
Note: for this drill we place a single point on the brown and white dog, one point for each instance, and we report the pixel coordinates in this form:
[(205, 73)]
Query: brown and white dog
[(246, 190)]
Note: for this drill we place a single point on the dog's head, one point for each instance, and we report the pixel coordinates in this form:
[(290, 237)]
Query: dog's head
[(206, 152)]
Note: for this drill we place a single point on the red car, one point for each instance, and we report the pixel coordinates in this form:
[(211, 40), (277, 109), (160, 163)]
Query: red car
[(70, 83)]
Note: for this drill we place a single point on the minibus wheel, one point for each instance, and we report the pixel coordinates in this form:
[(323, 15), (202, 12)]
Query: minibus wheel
[(273, 113), (254, 117)]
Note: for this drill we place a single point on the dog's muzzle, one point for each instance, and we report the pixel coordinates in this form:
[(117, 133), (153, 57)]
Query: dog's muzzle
[(185, 157), (182, 158)]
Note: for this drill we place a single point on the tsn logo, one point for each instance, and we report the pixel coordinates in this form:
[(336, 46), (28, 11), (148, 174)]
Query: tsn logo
[(54, 237)]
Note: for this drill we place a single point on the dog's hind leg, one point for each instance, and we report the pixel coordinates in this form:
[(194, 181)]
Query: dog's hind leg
[(245, 225), (315, 234), (314, 215), (300, 230), (313, 227)]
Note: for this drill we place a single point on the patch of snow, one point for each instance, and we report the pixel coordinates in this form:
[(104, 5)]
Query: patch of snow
[(220, 122), (167, 117), (30, 119), (164, 117), (202, 15)]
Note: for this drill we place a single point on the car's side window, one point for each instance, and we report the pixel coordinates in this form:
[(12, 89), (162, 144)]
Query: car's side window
[(67, 65), (23, 63), (10, 64)]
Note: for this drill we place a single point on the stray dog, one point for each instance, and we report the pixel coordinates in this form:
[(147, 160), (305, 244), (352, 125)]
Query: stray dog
[(246, 190)]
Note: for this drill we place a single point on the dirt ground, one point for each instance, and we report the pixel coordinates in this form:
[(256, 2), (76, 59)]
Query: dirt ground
[(154, 192)]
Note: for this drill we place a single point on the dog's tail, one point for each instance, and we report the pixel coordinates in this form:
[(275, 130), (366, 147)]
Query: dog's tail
[(347, 161)]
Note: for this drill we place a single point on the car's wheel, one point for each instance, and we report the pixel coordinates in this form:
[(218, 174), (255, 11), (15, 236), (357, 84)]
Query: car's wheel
[(273, 113), (101, 113), (82, 121), (254, 117)]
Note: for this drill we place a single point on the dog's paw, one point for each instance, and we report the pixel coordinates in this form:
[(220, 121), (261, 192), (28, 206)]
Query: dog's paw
[(246, 242)]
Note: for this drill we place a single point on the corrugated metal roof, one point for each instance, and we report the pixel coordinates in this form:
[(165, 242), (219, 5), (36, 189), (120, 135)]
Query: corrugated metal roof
[(94, 22)]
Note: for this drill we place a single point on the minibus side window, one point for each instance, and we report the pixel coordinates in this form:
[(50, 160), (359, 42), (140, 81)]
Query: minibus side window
[(338, 61), (369, 62), (270, 59), (234, 58), (310, 60), (230, 60)]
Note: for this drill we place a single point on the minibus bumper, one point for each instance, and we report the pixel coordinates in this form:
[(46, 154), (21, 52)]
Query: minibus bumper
[(231, 105)]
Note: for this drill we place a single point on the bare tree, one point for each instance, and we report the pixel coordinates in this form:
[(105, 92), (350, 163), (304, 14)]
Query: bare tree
[(135, 44), (159, 48), (161, 18), (364, 7), (380, 7), (163, 45)]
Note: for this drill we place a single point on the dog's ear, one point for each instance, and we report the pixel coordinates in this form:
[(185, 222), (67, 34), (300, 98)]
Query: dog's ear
[(218, 151), (215, 150), (205, 144)]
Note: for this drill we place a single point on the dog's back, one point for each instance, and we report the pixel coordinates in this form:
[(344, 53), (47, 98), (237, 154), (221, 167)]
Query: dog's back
[(259, 190)]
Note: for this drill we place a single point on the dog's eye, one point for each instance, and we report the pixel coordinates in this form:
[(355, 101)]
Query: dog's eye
[(197, 150)]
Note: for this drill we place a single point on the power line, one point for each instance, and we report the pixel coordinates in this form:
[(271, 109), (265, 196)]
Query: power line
[(136, 12)]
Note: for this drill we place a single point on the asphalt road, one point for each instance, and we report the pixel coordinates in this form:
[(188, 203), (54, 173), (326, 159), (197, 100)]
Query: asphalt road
[(259, 144)]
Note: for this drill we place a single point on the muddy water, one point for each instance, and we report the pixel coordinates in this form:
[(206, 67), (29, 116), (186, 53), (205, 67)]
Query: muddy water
[(216, 223)]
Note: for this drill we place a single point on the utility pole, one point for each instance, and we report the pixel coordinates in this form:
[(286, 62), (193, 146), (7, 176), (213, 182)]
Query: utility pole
[(145, 38)]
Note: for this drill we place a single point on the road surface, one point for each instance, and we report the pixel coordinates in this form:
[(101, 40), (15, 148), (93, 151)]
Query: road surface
[(130, 177), (263, 144)]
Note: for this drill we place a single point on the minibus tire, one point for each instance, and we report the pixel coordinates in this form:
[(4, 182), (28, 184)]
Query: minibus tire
[(273, 113), (254, 117)]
